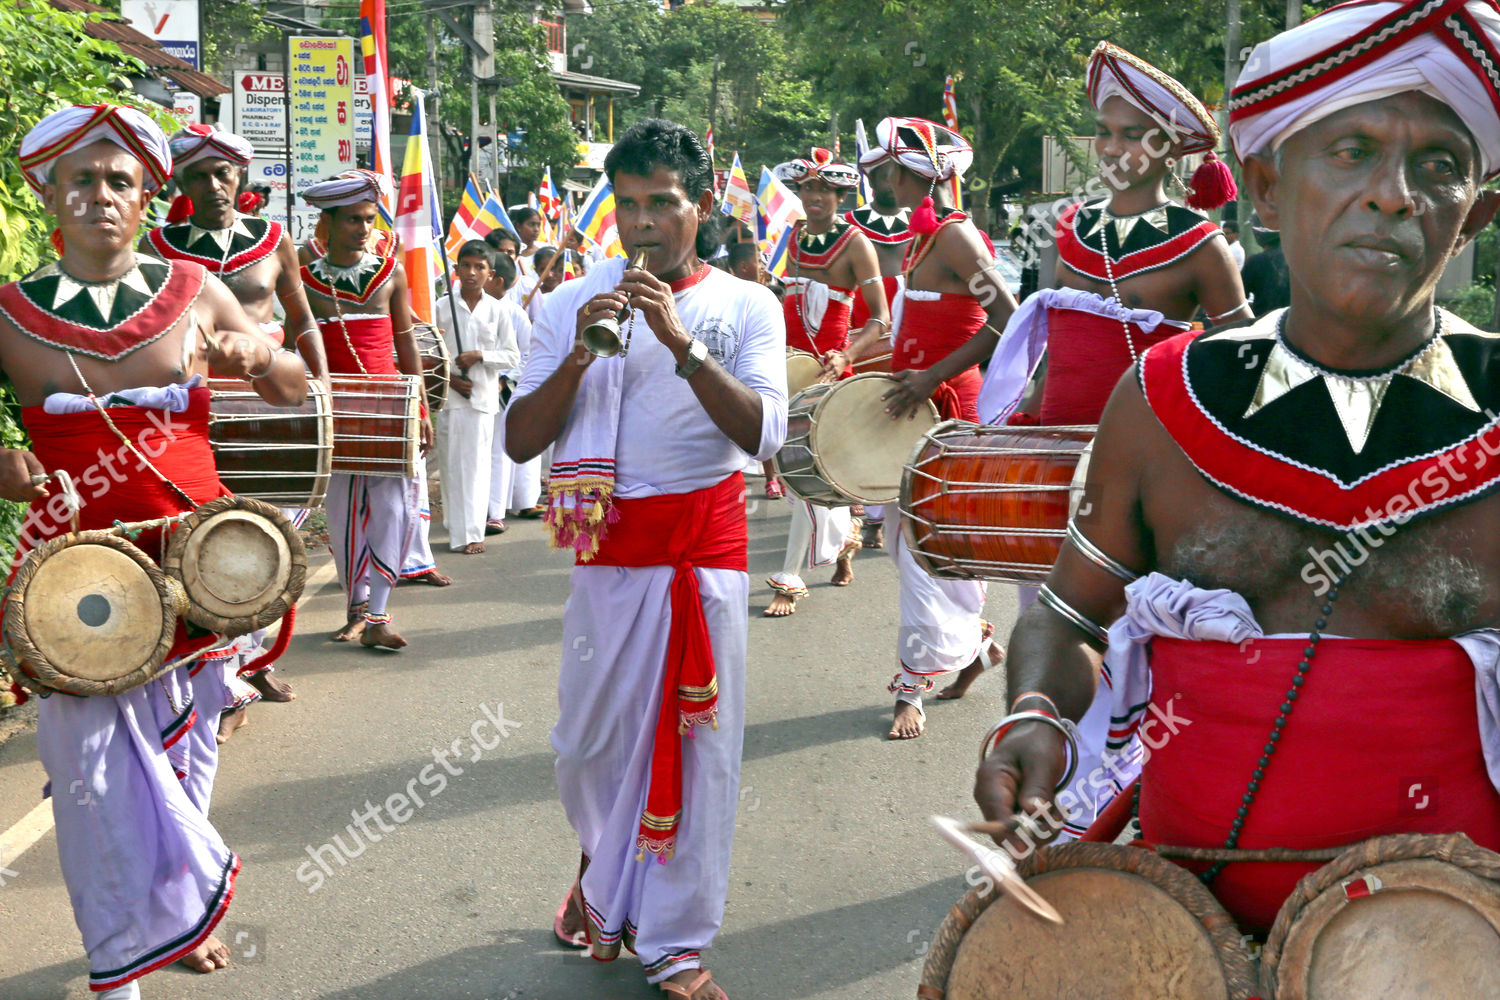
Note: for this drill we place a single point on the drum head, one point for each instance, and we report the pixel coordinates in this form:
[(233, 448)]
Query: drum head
[(802, 370), (1421, 928), (860, 450), (236, 561), (90, 615), (1134, 925)]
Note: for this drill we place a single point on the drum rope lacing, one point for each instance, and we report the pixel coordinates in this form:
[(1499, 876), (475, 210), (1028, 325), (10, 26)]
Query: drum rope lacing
[(1287, 704)]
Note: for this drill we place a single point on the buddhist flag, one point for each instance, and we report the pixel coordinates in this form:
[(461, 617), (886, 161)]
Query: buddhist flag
[(546, 196), (596, 219), (777, 264), (492, 216), (779, 207), (417, 222), (461, 230), (377, 75), (950, 105), (739, 203)]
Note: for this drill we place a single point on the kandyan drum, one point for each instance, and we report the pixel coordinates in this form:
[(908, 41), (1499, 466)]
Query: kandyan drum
[(878, 359), (376, 425), (278, 454), (802, 370), (992, 503), (842, 448), (1134, 926), (1409, 917), (241, 563), (91, 614), (437, 365)]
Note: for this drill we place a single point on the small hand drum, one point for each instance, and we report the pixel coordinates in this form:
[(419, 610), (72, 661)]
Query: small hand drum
[(1406, 917), (241, 563), (90, 614), (1134, 925), (802, 370)]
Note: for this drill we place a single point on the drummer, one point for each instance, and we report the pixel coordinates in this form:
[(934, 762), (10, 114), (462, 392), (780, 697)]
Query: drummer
[(1327, 471), (884, 224), (1133, 265), (257, 261), (830, 261), (148, 875), (361, 304), (953, 301)]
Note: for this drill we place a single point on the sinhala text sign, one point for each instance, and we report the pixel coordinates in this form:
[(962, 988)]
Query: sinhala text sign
[(322, 97)]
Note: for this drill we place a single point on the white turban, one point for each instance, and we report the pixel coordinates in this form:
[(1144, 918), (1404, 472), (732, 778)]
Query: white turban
[(1113, 72), (926, 148), (348, 188), (820, 167), (84, 124), (199, 142), (1356, 53)]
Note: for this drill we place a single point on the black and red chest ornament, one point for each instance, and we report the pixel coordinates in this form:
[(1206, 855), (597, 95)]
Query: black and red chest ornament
[(1338, 450), (817, 252), (107, 320), (223, 251), (888, 229), (356, 284), (1135, 244)]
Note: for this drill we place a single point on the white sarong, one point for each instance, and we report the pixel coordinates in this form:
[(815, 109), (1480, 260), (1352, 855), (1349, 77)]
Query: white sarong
[(816, 537), (941, 630)]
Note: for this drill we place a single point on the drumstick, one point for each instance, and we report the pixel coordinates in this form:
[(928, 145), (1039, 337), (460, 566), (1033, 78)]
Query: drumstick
[(998, 866)]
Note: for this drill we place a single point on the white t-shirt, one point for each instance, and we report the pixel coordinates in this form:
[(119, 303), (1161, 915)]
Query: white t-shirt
[(1237, 251), (486, 329), (520, 325), (667, 443)]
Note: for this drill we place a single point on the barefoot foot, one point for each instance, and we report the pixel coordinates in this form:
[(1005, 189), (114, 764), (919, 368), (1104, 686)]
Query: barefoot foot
[(351, 629), (991, 655), (209, 956), (432, 578), (843, 572), (381, 637), (781, 606), (228, 723), (874, 535), (270, 688), (474, 549), (908, 722)]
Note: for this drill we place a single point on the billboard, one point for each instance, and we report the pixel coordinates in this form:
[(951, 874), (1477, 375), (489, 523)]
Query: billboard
[(172, 24)]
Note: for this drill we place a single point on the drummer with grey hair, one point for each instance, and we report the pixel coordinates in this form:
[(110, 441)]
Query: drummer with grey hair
[(107, 349)]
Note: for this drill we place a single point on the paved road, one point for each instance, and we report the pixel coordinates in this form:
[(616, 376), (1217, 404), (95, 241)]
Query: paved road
[(837, 882)]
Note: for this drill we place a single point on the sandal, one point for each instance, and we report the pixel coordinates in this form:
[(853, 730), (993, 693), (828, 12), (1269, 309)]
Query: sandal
[(689, 991), (579, 940), (774, 489)]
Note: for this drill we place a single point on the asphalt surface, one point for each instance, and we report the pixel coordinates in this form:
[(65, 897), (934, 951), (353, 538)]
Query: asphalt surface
[(838, 881)]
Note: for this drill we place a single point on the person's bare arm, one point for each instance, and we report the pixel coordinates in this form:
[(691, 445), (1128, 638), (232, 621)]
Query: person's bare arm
[(1049, 654), (962, 253), (301, 328), (534, 421), (238, 349), (1217, 285), (866, 268)]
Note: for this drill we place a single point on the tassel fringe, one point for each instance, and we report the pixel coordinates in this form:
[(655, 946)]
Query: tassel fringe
[(1212, 185), (924, 221), (578, 513)]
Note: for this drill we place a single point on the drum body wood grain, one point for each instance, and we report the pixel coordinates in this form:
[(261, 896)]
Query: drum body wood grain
[(1135, 927), (90, 614), (240, 562), (278, 454), (376, 420), (1411, 917), (437, 365), (842, 448), (992, 503)]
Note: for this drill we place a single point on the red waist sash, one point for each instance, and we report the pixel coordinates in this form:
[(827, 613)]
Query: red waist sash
[(832, 333), (932, 329), (112, 483), (368, 346), (1086, 355), (706, 528), (1383, 739)]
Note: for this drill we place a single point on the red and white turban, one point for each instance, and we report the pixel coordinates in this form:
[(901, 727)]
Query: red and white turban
[(84, 124), (198, 142), (821, 167), (1364, 51), (926, 148), (348, 188), (1113, 72)]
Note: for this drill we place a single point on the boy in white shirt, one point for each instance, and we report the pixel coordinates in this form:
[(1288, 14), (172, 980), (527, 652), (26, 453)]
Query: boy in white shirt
[(484, 345), (513, 486)]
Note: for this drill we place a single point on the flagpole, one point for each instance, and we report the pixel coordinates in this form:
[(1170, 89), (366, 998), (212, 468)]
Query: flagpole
[(548, 269)]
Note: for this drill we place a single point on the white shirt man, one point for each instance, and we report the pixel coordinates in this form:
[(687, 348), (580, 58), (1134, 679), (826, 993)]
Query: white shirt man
[(513, 485), (481, 346)]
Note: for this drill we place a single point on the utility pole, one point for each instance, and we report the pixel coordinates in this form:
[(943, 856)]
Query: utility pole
[(1293, 13), (437, 102), (1233, 63), (484, 69)]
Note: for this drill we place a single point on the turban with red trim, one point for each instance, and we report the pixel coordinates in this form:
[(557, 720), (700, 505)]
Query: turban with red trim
[(1113, 72), (820, 167), (198, 142), (84, 124)]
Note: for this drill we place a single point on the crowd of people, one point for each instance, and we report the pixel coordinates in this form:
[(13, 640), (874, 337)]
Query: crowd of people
[(1253, 417)]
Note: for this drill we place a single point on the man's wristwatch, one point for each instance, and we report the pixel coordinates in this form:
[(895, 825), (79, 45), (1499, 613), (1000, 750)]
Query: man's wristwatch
[(697, 353)]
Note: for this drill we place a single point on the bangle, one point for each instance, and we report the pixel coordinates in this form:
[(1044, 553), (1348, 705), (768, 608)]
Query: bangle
[(883, 322), (1229, 312), (1051, 705), (872, 279), (270, 363), (1072, 615), (305, 333), (1063, 726)]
